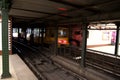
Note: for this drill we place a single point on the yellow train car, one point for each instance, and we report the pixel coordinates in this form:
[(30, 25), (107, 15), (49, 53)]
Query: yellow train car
[(62, 36)]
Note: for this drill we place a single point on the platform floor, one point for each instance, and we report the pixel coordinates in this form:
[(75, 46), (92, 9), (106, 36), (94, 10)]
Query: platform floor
[(18, 69), (108, 49)]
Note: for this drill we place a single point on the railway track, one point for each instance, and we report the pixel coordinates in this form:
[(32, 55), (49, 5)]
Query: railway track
[(104, 63), (43, 67), (98, 61)]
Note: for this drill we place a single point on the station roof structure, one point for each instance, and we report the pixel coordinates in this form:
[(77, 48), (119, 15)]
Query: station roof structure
[(63, 11)]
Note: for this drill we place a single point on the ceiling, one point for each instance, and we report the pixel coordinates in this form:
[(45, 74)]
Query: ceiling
[(64, 11)]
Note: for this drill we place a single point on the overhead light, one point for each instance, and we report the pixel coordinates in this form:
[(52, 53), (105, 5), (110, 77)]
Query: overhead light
[(62, 9)]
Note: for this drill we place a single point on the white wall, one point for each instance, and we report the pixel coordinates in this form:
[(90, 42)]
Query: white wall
[(0, 36), (97, 37)]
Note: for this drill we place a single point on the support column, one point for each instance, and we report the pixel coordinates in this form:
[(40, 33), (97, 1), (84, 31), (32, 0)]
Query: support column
[(42, 33), (24, 31), (117, 39), (84, 44), (70, 37), (70, 33), (5, 52), (32, 36), (19, 35), (56, 40)]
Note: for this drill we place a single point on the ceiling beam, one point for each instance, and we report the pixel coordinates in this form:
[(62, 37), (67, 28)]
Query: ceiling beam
[(113, 16), (74, 5), (88, 7), (21, 16), (41, 12), (36, 18), (105, 17), (33, 11)]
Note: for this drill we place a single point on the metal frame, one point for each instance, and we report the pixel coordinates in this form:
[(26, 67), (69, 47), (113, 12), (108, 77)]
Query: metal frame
[(5, 52), (84, 44), (117, 40), (56, 40)]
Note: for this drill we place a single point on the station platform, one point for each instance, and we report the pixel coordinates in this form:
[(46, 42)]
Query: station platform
[(18, 69)]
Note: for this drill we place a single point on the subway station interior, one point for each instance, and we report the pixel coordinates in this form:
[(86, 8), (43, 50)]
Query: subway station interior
[(61, 39)]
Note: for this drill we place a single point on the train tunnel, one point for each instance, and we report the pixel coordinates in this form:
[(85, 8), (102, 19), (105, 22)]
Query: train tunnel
[(80, 36)]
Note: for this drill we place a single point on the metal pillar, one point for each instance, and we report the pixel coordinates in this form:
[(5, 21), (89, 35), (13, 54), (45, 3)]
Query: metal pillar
[(39, 36), (84, 44), (42, 33), (25, 39), (19, 35), (117, 39), (24, 32), (5, 52), (70, 37), (56, 40)]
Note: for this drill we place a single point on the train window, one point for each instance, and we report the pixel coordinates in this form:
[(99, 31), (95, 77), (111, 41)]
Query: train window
[(29, 31), (15, 32), (42, 32), (36, 32), (62, 32), (20, 30)]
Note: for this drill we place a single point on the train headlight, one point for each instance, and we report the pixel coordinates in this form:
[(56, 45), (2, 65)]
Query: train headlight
[(62, 41), (59, 41)]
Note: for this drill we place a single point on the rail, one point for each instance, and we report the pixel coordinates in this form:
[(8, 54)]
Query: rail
[(43, 67), (99, 60)]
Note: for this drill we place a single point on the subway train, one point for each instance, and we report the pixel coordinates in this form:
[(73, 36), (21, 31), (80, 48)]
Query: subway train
[(63, 34), (47, 35)]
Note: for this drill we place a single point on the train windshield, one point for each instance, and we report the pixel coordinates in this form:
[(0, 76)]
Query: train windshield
[(62, 32)]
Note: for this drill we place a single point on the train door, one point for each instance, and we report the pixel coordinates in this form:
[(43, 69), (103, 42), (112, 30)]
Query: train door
[(15, 33)]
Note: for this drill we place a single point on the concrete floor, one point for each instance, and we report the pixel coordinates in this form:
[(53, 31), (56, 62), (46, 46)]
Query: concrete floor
[(18, 69), (108, 49)]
